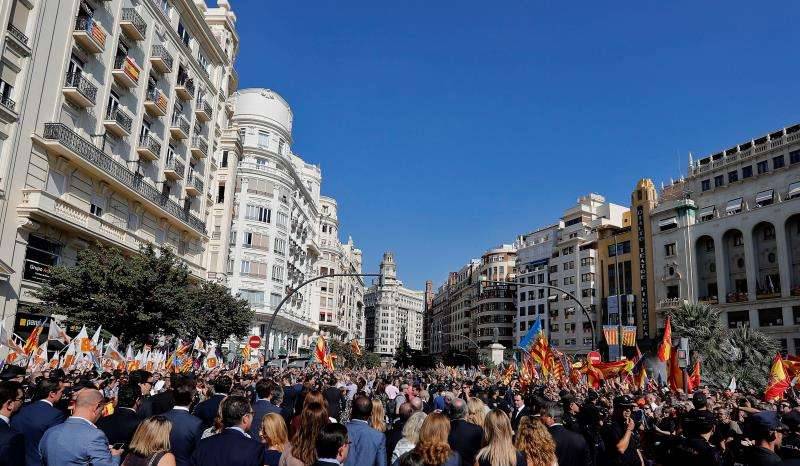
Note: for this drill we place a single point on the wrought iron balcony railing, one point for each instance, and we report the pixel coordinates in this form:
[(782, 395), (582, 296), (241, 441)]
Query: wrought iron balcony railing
[(121, 117), (159, 51), (86, 88), (131, 16), (19, 35)]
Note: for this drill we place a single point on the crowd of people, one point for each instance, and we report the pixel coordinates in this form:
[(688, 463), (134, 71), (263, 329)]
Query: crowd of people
[(379, 417)]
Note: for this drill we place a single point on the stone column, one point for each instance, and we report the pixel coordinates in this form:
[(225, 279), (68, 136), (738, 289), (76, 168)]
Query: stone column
[(783, 253), (750, 263), (721, 263)]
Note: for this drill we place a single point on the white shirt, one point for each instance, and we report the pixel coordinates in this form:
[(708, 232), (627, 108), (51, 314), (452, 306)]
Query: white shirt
[(329, 460), (237, 428), (51, 404), (182, 408), (6, 419), (84, 420)]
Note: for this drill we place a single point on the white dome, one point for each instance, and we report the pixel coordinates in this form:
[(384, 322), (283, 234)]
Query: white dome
[(263, 104)]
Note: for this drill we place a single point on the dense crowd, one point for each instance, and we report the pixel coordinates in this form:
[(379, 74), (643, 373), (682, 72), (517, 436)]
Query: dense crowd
[(378, 417)]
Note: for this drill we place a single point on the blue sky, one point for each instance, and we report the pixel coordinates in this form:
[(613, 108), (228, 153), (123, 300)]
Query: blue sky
[(446, 127)]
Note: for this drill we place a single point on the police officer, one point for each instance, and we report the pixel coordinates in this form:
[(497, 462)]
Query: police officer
[(766, 432), (790, 446), (621, 436), (695, 448)]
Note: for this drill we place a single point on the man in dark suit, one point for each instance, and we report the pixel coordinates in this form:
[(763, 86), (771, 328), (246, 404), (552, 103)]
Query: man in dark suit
[(120, 426), (164, 401), (395, 433), (207, 410), (332, 445), (519, 411), (233, 446), (268, 397), (144, 380), (367, 445), (186, 428), (465, 438), (34, 419), (12, 444), (333, 395), (571, 448)]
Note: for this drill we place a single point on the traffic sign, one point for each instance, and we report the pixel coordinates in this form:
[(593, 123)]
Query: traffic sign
[(254, 341), (593, 357)]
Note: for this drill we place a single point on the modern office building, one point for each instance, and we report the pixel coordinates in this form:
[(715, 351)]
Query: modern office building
[(111, 124), (393, 313), (729, 234), (274, 237), (534, 251)]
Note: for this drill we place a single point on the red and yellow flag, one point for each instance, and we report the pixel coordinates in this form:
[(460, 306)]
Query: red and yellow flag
[(33, 341), (674, 373), (778, 380), (694, 377), (665, 349), (356, 347)]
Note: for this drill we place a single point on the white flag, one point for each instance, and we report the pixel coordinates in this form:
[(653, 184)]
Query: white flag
[(57, 333), (96, 336), (82, 342), (113, 342), (732, 385), (198, 345)]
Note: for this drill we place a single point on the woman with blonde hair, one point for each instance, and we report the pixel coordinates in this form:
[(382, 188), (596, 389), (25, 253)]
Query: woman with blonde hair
[(273, 435), (476, 411), (377, 419), (150, 444), (432, 444), (498, 446), (534, 440), (302, 450), (410, 435)]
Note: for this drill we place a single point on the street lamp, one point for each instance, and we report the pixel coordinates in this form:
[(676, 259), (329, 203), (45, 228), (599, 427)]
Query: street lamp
[(477, 347), (548, 287)]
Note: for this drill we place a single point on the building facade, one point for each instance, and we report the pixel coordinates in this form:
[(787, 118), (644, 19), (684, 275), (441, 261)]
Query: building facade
[(729, 234), (112, 119), (534, 251), (494, 308), (393, 313)]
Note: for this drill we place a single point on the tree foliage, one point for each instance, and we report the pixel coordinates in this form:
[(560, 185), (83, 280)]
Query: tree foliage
[(741, 352), (347, 358), (139, 296)]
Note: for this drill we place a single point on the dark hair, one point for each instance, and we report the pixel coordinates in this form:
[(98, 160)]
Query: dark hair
[(330, 438), (277, 394), (362, 408), (44, 388), (263, 388), (223, 384), (183, 391), (411, 458), (127, 395), (9, 391), (139, 376), (234, 408)]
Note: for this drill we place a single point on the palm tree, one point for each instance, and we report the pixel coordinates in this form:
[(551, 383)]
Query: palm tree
[(741, 352)]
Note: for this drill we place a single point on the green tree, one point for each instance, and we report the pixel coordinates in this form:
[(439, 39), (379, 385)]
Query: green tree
[(370, 360), (139, 296), (742, 352), (404, 355)]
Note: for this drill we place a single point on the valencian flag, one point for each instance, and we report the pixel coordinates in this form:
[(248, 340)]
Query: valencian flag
[(694, 377), (322, 353), (778, 380), (535, 343), (33, 341), (629, 335), (665, 348), (356, 347), (612, 335)]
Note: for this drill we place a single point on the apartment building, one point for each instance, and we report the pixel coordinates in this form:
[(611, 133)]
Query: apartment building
[(534, 251), (112, 117), (729, 234), (273, 242), (393, 313), (341, 299), (494, 308), (451, 311)]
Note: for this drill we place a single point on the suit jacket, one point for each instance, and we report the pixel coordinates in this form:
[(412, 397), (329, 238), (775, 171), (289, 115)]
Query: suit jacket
[(32, 421), (260, 409), (466, 439), (186, 432), (120, 426), (517, 416), (76, 441), (367, 445), (228, 448), (12, 446), (207, 409), (393, 436), (334, 397), (145, 408), (162, 402), (571, 448)]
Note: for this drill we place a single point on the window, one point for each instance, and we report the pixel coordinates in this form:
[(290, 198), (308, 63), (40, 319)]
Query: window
[(587, 292), (747, 171), (778, 162), (203, 61), (794, 157), (280, 246), (568, 250), (253, 297), (224, 162), (673, 291), (277, 273), (263, 139), (771, 317), (96, 210), (668, 224), (587, 277), (184, 34), (738, 240), (570, 342), (522, 311), (621, 248), (258, 213), (569, 265), (669, 249), (734, 206), (705, 185), (794, 190), (221, 193), (569, 280), (572, 221), (283, 219), (707, 213), (738, 319), (796, 316), (764, 198), (586, 261), (719, 180), (733, 176), (762, 167), (281, 146)]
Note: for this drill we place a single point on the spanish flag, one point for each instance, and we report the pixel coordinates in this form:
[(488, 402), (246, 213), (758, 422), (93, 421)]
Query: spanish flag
[(321, 350), (778, 380), (665, 348), (356, 347)]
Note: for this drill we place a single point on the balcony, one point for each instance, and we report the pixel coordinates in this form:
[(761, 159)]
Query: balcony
[(118, 122), (185, 88), (79, 91), (179, 127), (60, 139), (126, 72), (19, 39), (156, 103), (174, 168), (149, 147), (8, 112), (160, 59), (203, 110), (133, 26), (199, 147), (89, 35), (194, 184)]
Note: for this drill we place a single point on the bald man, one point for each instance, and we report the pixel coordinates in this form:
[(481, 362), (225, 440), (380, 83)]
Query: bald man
[(78, 440)]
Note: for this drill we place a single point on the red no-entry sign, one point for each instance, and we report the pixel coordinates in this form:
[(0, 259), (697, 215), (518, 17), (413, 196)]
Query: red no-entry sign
[(254, 341), (593, 357)]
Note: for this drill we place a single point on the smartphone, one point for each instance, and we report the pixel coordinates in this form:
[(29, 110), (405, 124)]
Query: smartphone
[(118, 446)]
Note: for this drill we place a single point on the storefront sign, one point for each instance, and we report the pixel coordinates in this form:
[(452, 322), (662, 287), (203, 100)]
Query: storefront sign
[(36, 272)]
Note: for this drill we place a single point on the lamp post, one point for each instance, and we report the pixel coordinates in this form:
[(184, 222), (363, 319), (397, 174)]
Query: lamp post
[(477, 347), (549, 287)]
